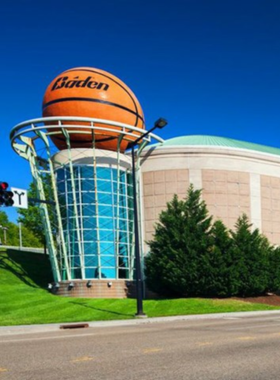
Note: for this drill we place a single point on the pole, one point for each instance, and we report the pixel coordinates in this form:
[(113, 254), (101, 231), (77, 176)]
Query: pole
[(160, 123), (139, 280), (20, 236)]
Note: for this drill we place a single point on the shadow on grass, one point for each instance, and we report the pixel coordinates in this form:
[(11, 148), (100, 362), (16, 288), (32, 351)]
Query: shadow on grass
[(103, 310), (32, 269)]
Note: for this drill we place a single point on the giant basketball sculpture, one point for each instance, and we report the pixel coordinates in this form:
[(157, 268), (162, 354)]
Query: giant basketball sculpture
[(77, 158), (92, 93)]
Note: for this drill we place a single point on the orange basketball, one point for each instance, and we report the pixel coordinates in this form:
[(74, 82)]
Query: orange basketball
[(93, 93)]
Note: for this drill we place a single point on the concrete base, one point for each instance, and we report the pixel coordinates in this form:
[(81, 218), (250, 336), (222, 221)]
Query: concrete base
[(99, 289), (92, 288)]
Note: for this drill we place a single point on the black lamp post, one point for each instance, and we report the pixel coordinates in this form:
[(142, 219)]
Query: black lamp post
[(160, 123)]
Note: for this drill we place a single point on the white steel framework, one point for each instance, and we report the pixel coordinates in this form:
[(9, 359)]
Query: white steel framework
[(86, 195)]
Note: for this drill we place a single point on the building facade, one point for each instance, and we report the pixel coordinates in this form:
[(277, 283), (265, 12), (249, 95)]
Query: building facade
[(236, 177)]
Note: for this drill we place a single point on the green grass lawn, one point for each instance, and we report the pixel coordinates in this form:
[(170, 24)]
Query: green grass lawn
[(24, 298)]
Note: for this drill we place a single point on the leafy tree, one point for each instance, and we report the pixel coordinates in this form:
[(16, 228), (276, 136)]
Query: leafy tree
[(31, 218), (250, 255), (11, 234), (176, 262)]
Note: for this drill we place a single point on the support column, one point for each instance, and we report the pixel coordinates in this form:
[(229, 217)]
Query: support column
[(255, 200), (195, 177)]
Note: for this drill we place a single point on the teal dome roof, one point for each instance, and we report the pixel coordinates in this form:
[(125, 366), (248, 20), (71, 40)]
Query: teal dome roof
[(199, 140)]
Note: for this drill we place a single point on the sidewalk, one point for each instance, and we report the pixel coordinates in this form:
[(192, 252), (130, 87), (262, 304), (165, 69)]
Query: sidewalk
[(28, 329)]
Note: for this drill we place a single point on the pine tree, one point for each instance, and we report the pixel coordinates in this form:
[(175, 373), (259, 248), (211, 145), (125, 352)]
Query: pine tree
[(250, 256), (176, 263), (219, 277), (274, 269)]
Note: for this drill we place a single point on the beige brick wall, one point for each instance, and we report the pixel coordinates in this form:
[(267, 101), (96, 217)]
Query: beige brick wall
[(270, 206), (227, 194), (158, 188)]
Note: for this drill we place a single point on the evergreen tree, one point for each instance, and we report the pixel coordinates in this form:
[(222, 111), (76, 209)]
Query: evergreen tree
[(274, 269), (250, 254), (176, 263), (219, 278)]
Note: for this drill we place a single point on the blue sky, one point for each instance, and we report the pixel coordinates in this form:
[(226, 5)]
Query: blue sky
[(208, 67)]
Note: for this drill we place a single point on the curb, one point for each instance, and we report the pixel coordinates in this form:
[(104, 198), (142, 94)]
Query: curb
[(28, 329)]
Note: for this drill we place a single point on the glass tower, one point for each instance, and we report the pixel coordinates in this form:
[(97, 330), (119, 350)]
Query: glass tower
[(85, 196), (97, 220)]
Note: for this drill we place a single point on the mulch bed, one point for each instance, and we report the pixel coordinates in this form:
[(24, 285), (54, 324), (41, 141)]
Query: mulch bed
[(269, 299)]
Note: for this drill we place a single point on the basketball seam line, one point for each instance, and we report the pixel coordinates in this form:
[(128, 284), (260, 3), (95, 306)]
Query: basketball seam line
[(92, 100), (119, 84)]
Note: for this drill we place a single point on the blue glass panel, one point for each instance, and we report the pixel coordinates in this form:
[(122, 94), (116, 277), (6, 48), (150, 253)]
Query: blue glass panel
[(67, 173), (123, 250), (106, 223), (87, 172), (74, 246), (122, 213), (108, 273), (89, 235), (129, 190), (91, 272), (88, 197), (104, 173), (62, 200), (106, 235), (70, 211), (76, 170), (87, 185), (105, 198), (60, 175), (61, 185), (104, 210), (107, 248), (121, 199), (89, 222), (123, 224), (91, 261), (115, 174), (123, 237), (88, 210), (90, 248), (108, 261), (104, 186), (115, 187), (70, 198), (129, 178), (75, 261), (123, 176)]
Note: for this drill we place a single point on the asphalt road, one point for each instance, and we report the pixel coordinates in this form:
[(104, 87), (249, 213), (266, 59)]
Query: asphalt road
[(243, 348)]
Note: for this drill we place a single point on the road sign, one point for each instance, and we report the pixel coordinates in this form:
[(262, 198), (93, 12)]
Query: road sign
[(20, 197)]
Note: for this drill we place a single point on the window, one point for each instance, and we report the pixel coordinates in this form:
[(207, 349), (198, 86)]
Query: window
[(99, 212)]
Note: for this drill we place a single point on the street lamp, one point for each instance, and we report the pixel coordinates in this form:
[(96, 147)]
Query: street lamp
[(160, 123)]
